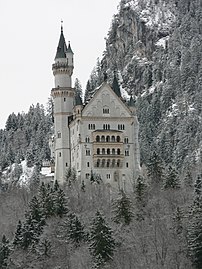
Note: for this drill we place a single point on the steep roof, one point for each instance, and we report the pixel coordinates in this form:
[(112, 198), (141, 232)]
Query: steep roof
[(69, 49), (62, 47)]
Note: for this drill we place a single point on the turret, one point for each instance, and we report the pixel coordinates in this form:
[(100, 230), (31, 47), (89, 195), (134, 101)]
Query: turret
[(63, 97), (64, 63)]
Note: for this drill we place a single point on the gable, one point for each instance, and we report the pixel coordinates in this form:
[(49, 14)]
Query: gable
[(106, 103)]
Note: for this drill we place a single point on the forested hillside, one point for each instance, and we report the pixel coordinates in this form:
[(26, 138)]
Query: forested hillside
[(155, 47)]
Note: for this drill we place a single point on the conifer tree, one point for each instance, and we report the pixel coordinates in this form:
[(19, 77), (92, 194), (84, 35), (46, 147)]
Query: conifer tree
[(141, 197), (4, 252), (18, 235), (195, 226), (155, 168), (171, 179), (123, 209), (102, 243), (60, 205), (75, 230)]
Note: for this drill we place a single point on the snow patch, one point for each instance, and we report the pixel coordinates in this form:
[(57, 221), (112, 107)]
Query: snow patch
[(162, 42)]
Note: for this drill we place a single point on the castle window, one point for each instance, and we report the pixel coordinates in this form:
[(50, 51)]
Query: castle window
[(126, 152), (103, 151), (88, 152), (87, 176), (103, 162), (126, 140), (108, 151), (87, 139), (64, 99), (105, 110), (126, 164), (91, 126), (113, 151), (59, 135), (108, 176), (88, 164), (108, 163), (108, 139), (118, 138), (97, 138), (118, 152), (118, 163), (98, 163), (106, 127), (121, 127), (102, 138), (60, 154), (113, 138), (113, 163), (66, 164), (98, 151)]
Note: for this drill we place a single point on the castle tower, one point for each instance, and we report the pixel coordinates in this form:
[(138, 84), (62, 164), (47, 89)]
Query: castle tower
[(63, 98)]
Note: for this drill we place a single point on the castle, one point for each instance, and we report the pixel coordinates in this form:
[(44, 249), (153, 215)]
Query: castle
[(100, 137)]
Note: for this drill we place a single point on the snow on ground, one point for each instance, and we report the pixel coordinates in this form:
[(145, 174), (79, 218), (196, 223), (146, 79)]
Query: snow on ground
[(26, 173), (162, 42), (154, 15)]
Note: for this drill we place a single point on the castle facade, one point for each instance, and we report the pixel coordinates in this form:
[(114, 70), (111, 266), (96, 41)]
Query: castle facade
[(100, 137)]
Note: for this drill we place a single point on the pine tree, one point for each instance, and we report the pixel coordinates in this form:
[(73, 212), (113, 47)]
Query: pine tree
[(123, 209), (18, 235), (75, 230), (60, 206), (195, 226), (178, 217), (141, 197), (171, 179), (102, 243), (155, 168), (4, 252)]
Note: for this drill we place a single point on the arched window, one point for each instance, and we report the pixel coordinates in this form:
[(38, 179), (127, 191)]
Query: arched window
[(108, 138), (102, 138), (113, 163), (108, 151), (118, 163), (98, 151), (98, 162), (108, 127), (97, 138), (108, 163), (103, 151), (103, 162), (113, 138), (118, 152), (113, 151), (118, 138)]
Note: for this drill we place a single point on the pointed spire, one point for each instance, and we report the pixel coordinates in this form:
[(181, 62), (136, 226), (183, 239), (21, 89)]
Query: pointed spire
[(131, 102), (62, 47), (69, 50), (115, 86)]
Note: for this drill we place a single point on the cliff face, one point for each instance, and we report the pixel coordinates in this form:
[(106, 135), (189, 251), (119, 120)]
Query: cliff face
[(155, 46)]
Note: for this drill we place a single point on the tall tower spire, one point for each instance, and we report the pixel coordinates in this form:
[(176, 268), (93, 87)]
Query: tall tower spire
[(63, 97)]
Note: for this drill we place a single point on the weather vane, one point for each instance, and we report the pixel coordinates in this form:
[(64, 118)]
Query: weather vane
[(61, 25)]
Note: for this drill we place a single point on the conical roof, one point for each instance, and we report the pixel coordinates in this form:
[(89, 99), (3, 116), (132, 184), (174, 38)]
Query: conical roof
[(69, 49), (62, 47)]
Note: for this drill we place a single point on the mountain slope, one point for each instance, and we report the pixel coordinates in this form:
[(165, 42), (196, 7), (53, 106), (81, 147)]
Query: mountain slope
[(155, 47)]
